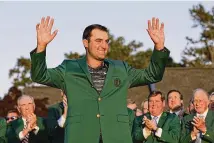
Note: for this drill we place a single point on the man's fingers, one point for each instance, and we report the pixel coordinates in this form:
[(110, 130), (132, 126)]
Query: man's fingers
[(42, 22), (153, 23), (149, 25), (51, 24), (54, 34), (47, 21), (37, 26), (193, 123), (162, 27), (157, 24)]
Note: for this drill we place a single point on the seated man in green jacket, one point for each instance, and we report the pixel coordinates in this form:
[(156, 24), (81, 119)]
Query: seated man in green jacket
[(199, 127), (157, 125), (28, 128), (3, 127)]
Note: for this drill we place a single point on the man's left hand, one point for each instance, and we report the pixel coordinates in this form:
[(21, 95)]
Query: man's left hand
[(156, 33)]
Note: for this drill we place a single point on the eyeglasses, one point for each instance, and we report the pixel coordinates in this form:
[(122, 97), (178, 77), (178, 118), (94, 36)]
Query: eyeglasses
[(11, 118)]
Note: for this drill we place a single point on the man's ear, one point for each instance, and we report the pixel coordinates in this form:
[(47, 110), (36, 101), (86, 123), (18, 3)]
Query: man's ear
[(18, 109), (85, 43)]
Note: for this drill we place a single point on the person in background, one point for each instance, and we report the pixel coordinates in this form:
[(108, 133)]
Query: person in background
[(57, 114), (175, 103), (145, 106), (12, 115), (28, 128), (211, 98), (198, 127), (157, 126)]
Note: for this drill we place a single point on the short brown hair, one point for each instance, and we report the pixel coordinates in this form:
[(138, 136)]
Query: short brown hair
[(174, 90), (155, 93)]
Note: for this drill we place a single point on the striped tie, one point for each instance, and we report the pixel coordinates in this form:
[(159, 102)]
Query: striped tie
[(155, 119), (26, 138)]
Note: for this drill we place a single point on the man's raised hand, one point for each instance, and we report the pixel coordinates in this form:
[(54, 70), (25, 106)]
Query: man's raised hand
[(44, 34), (156, 33)]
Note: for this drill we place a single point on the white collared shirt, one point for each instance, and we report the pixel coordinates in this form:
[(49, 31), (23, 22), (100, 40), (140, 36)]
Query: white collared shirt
[(203, 114), (177, 112)]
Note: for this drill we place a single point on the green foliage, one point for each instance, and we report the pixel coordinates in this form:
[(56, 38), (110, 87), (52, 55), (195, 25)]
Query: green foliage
[(200, 52), (21, 72)]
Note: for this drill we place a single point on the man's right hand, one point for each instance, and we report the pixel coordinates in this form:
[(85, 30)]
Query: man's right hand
[(65, 104), (44, 35)]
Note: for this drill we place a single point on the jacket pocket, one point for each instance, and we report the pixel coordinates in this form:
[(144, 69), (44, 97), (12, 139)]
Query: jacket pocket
[(123, 118), (73, 119)]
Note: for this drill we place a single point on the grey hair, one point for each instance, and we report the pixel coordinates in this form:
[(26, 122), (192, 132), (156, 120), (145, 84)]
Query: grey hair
[(25, 96), (200, 89)]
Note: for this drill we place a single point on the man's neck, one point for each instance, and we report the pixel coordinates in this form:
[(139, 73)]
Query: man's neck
[(176, 109), (205, 112), (94, 63), (157, 115)]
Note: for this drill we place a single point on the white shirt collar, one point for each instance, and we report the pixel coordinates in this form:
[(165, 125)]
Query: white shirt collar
[(203, 114), (177, 112), (157, 116), (24, 120)]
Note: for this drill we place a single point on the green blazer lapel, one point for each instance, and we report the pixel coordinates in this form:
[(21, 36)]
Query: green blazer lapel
[(148, 115), (39, 122), (18, 125), (208, 119), (108, 78), (162, 120), (83, 64)]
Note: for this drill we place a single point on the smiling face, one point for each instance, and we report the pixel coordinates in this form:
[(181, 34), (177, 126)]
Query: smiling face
[(200, 101), (97, 45), (26, 106), (156, 105)]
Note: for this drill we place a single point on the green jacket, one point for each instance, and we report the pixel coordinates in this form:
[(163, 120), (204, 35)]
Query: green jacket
[(169, 123), (187, 127), (89, 112), (16, 126), (55, 131), (3, 128), (131, 114)]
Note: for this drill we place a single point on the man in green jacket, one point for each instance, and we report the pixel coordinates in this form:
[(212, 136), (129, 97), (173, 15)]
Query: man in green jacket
[(56, 119), (199, 127), (175, 103), (28, 128), (96, 87), (156, 126), (3, 128)]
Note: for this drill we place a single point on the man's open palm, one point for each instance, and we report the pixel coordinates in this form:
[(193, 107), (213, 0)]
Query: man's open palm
[(44, 35)]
